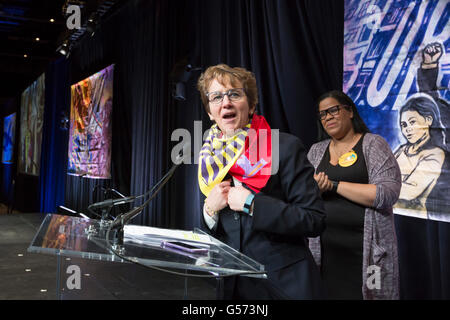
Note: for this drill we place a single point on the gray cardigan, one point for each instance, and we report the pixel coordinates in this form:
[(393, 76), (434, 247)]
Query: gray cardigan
[(380, 242)]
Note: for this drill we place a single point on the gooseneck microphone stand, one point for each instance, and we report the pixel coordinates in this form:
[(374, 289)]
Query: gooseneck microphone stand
[(117, 226), (119, 223)]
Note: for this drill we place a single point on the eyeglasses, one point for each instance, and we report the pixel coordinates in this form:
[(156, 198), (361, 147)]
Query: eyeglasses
[(234, 94), (333, 111)]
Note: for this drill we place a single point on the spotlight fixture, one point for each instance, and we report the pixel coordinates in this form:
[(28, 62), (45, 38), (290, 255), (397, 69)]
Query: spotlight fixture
[(64, 121), (25, 56), (91, 17), (91, 24), (180, 75), (37, 39), (179, 91), (52, 20), (64, 48)]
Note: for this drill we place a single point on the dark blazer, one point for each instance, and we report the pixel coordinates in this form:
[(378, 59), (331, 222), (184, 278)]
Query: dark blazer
[(286, 211)]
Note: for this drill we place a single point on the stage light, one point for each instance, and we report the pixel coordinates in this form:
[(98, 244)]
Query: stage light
[(64, 120), (37, 39), (179, 91), (52, 20), (179, 76), (91, 25), (25, 56), (64, 48)]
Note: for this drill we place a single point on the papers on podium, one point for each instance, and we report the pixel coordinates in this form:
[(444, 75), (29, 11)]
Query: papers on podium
[(154, 236)]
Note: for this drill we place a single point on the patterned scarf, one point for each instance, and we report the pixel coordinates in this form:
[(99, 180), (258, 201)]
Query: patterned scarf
[(246, 156)]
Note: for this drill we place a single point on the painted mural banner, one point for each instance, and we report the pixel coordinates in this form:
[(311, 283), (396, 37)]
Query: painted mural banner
[(9, 134), (31, 125), (397, 71), (90, 132)]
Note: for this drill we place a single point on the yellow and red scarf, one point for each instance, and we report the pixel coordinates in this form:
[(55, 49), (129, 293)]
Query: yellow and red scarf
[(246, 156)]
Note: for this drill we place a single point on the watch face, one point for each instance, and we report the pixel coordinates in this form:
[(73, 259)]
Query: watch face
[(249, 203)]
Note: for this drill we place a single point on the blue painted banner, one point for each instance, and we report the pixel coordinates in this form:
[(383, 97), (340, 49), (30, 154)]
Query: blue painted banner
[(397, 70), (9, 134)]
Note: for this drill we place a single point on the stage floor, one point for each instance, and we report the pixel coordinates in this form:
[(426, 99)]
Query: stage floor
[(32, 276)]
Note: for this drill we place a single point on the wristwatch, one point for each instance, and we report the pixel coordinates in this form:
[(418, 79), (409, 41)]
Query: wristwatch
[(248, 203), (335, 186)]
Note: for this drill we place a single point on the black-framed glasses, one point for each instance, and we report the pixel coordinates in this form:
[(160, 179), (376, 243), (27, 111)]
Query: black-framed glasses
[(333, 111), (234, 94)]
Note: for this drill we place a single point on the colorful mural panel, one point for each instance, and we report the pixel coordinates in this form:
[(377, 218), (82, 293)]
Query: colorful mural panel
[(31, 123), (91, 126), (397, 70)]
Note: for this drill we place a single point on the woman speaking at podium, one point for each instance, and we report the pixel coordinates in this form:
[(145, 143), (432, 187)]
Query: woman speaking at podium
[(260, 208)]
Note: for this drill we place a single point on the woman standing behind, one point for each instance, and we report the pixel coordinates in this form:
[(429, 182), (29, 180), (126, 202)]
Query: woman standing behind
[(360, 181)]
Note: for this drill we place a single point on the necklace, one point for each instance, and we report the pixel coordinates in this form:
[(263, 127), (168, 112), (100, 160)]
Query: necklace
[(348, 157), (339, 152)]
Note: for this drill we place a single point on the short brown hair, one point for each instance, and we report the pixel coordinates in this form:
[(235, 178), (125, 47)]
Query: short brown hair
[(226, 74)]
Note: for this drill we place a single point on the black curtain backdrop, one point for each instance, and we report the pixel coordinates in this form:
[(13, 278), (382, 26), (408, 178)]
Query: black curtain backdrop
[(146, 39), (54, 137), (295, 50), (424, 258)]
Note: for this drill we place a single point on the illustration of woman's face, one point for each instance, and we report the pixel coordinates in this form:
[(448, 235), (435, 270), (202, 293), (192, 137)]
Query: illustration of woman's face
[(415, 127)]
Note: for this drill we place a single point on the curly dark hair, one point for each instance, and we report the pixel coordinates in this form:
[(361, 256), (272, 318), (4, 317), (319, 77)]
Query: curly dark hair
[(357, 122)]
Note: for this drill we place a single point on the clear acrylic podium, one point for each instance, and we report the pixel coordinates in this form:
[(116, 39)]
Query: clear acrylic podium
[(88, 269)]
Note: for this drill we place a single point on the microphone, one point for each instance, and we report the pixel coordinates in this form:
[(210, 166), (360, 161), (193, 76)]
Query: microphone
[(111, 202)]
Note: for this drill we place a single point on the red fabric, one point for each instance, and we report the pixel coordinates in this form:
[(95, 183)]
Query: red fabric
[(254, 166)]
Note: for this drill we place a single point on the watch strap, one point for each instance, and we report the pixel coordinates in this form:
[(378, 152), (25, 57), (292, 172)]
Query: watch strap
[(335, 186), (248, 203)]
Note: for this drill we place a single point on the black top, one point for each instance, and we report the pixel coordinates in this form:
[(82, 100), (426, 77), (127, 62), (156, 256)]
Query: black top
[(342, 240)]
